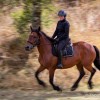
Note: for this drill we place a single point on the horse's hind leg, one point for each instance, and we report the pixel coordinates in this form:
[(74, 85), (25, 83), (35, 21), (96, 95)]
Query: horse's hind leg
[(37, 76), (82, 73), (92, 70), (89, 81)]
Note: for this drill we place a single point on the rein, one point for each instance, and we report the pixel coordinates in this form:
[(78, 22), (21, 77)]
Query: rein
[(44, 44), (44, 37), (37, 42)]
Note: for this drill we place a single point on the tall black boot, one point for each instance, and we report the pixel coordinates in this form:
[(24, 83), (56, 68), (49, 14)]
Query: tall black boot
[(59, 60)]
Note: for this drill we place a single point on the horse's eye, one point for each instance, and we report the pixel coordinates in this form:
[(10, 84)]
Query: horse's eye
[(34, 37)]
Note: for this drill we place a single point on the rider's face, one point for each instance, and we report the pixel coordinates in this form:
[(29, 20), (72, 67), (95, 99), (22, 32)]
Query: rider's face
[(61, 17)]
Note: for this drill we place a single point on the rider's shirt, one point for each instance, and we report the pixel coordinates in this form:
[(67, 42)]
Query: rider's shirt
[(62, 30)]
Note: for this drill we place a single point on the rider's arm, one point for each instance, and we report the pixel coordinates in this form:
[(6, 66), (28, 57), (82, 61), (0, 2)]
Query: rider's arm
[(55, 33), (67, 26)]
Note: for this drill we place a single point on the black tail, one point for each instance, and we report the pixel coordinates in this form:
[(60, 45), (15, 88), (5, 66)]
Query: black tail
[(97, 59)]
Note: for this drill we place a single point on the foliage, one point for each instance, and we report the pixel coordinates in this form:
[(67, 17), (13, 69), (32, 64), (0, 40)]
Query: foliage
[(47, 16), (23, 17)]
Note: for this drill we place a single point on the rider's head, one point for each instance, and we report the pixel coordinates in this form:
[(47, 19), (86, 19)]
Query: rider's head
[(62, 14)]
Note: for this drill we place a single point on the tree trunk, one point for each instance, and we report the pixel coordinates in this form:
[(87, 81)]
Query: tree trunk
[(36, 20)]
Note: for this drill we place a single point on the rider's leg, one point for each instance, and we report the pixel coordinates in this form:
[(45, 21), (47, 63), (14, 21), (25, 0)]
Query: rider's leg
[(60, 46), (59, 59)]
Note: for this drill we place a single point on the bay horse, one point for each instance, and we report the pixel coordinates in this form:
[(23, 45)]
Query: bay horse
[(84, 55)]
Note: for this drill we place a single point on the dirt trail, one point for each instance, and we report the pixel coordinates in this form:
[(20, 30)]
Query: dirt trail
[(11, 94)]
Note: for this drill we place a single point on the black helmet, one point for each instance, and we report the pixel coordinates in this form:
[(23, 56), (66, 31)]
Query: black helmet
[(62, 13)]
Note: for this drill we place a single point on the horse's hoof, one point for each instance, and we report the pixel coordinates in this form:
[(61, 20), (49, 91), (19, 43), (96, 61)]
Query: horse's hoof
[(42, 83), (90, 85), (74, 88), (57, 88)]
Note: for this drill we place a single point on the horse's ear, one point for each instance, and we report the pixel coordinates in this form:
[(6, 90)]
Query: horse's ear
[(31, 28), (39, 28)]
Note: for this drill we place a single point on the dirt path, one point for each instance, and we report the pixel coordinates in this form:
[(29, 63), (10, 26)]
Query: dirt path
[(16, 94)]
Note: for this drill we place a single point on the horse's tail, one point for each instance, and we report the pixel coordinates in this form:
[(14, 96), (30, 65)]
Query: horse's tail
[(97, 59)]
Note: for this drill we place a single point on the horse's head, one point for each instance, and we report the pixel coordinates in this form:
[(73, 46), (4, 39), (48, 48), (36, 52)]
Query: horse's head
[(34, 39)]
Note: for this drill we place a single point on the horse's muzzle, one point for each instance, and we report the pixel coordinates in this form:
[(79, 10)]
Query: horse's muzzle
[(27, 48)]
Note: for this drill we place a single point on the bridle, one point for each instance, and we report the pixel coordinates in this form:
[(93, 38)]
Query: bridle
[(37, 42)]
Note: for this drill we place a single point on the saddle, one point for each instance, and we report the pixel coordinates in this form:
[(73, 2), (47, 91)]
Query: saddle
[(66, 52)]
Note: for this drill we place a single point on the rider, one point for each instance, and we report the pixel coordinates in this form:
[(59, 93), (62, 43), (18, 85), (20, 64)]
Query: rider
[(61, 35)]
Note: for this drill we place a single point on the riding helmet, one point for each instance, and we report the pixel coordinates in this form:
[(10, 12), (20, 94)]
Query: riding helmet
[(62, 13)]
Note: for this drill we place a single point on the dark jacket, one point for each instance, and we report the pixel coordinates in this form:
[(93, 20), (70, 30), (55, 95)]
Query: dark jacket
[(62, 30)]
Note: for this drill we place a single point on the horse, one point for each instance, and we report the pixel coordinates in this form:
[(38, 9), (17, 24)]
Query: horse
[(84, 55)]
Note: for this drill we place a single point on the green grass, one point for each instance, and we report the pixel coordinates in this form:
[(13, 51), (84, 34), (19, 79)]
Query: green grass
[(47, 17)]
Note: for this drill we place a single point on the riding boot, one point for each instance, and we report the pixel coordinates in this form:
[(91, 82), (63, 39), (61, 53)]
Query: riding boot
[(59, 60)]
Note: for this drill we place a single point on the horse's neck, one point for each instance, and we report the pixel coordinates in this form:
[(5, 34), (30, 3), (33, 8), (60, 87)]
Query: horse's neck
[(45, 46)]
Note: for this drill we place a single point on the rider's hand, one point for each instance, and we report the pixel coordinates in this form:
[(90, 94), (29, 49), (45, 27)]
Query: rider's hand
[(57, 40)]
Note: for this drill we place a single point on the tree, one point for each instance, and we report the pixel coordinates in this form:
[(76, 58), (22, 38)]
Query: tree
[(36, 19)]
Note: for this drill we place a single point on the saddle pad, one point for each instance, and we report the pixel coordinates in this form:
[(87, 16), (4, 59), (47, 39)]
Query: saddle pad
[(66, 52)]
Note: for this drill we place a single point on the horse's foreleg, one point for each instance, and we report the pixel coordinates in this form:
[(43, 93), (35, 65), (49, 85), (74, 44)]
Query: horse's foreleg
[(37, 76), (51, 77), (82, 73)]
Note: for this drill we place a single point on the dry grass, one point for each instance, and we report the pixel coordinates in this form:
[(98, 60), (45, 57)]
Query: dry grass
[(18, 72)]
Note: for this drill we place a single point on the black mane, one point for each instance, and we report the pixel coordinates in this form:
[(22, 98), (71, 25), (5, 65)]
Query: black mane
[(49, 38)]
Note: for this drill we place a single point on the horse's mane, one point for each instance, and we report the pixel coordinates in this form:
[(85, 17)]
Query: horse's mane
[(49, 38)]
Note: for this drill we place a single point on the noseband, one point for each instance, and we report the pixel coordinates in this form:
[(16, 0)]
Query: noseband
[(36, 43)]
